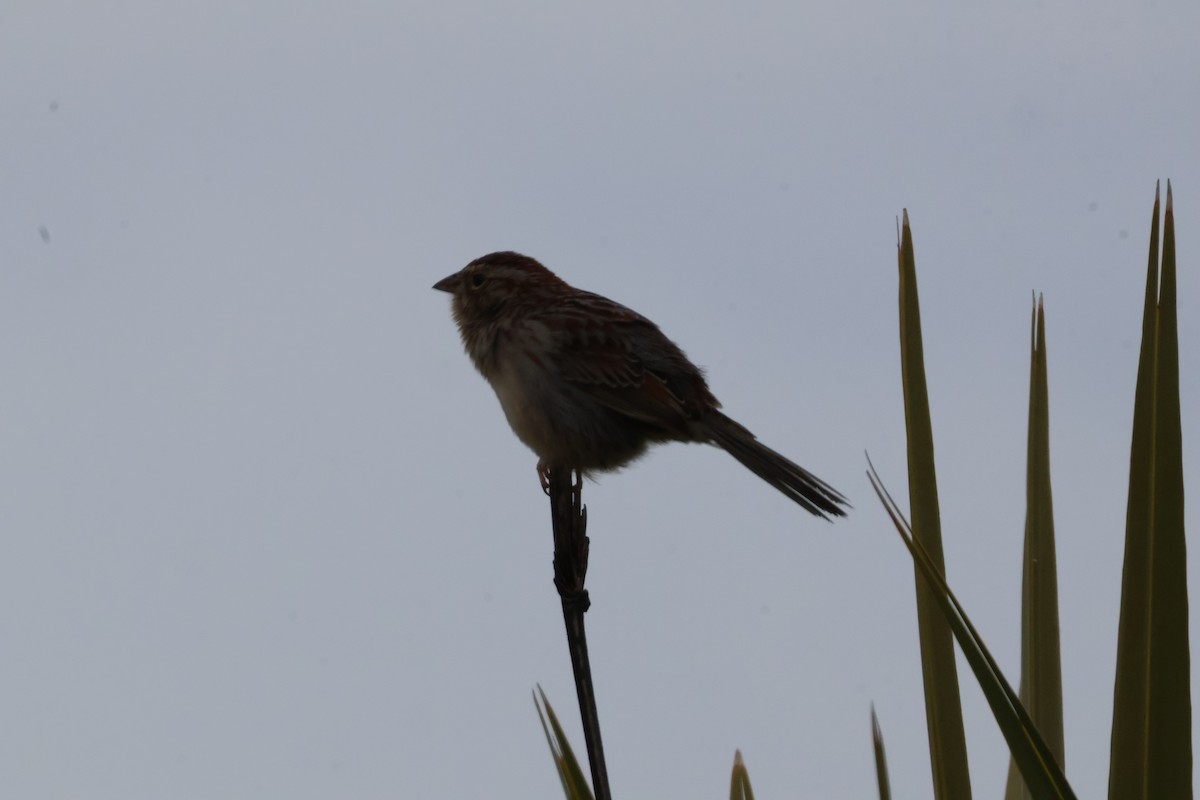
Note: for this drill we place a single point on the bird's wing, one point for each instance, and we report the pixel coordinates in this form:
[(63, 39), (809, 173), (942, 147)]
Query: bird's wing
[(624, 361)]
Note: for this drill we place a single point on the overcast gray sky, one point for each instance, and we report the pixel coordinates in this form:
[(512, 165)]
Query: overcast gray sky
[(266, 532)]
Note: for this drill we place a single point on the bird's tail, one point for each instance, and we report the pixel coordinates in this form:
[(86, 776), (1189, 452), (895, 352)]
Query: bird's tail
[(788, 477)]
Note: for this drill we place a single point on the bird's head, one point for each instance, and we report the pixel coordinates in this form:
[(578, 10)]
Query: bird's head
[(498, 283)]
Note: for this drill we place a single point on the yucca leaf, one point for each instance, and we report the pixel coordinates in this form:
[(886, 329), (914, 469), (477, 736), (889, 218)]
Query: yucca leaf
[(881, 771), (739, 781), (575, 785), (1039, 769), (1041, 661), (943, 708), (1151, 753)]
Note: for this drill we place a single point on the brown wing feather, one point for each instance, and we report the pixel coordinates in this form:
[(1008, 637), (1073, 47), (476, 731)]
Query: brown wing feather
[(655, 384)]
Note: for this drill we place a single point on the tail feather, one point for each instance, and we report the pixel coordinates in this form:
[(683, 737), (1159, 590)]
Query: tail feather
[(796, 482)]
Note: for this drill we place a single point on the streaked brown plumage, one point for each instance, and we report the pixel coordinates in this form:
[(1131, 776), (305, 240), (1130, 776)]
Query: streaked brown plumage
[(588, 384)]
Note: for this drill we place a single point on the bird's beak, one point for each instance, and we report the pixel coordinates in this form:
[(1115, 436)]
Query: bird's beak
[(450, 283)]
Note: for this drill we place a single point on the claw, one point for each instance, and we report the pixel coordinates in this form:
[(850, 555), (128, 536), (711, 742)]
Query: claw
[(544, 476)]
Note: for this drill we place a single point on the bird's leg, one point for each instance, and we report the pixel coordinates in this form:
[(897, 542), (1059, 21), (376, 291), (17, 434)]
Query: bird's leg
[(543, 472)]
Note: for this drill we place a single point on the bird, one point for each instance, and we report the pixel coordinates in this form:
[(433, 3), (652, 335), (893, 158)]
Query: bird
[(589, 385)]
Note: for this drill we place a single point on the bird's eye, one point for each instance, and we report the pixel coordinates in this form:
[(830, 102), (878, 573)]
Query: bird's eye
[(477, 280)]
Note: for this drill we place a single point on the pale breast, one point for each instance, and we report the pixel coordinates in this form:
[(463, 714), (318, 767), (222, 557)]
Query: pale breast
[(527, 396), (561, 422)]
